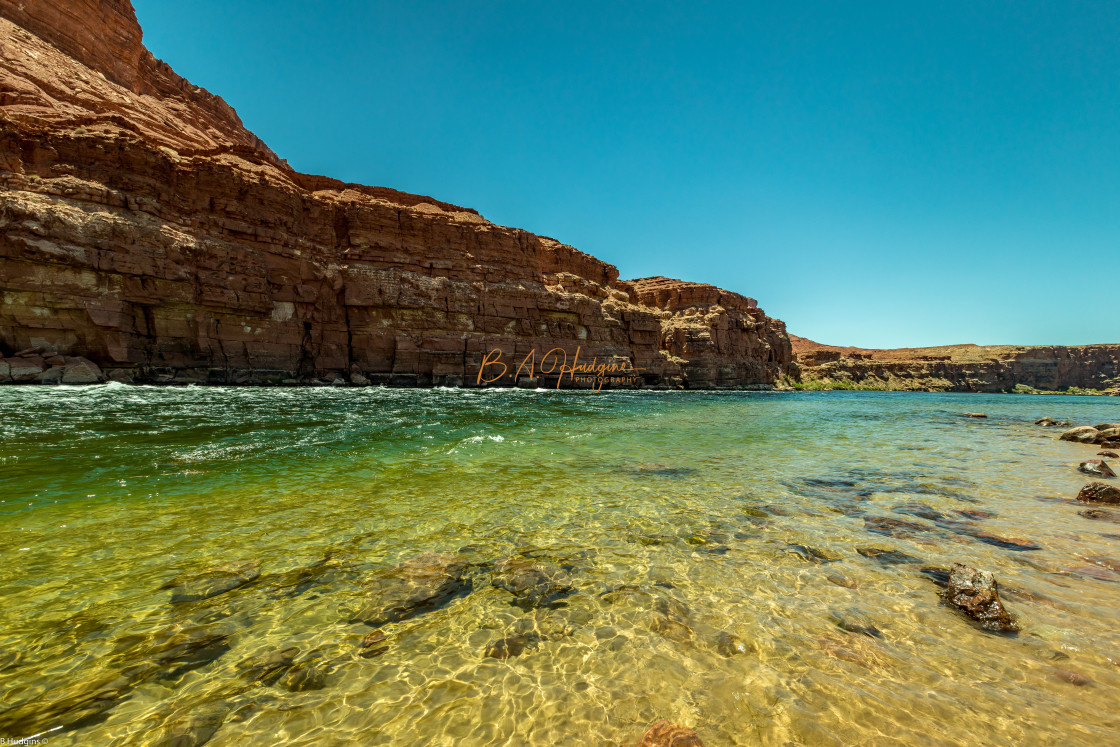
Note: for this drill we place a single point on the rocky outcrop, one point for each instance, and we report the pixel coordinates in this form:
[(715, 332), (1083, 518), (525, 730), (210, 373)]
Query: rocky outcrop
[(420, 584), (716, 337), (1099, 492), (668, 734), (1097, 468), (143, 228), (976, 593), (961, 368), (43, 365)]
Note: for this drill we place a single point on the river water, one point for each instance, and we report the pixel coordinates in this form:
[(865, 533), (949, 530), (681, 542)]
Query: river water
[(707, 546)]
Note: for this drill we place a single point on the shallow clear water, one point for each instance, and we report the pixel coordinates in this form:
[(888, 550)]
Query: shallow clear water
[(676, 517)]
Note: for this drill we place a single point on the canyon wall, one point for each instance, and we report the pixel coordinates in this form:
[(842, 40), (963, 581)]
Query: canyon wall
[(961, 368), (143, 228)]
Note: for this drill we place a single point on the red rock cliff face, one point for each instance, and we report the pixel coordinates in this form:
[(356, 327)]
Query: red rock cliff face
[(143, 227), (964, 368)]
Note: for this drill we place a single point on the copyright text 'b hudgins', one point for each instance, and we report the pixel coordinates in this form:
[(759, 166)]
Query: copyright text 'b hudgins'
[(594, 374)]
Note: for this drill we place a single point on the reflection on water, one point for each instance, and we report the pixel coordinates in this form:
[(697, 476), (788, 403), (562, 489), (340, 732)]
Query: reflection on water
[(324, 566)]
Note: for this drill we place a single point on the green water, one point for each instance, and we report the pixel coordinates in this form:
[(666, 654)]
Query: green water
[(687, 507)]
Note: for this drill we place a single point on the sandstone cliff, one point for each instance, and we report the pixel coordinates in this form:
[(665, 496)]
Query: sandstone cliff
[(144, 228), (961, 368)]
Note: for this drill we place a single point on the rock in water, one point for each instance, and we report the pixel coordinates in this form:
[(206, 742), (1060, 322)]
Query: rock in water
[(813, 555), (975, 593), (886, 557), (674, 630), (1112, 454), (1073, 678), (892, 527), (1097, 468), (667, 734), (306, 676), (214, 581), (1099, 492), (729, 644), (269, 668), (192, 730), (1047, 422), (420, 584), (81, 371), (975, 415), (532, 584), (841, 580), (1108, 435), (1084, 434), (509, 647), (854, 622), (372, 638)]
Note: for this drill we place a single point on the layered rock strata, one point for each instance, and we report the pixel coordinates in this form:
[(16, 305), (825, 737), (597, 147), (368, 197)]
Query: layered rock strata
[(144, 228), (963, 368)]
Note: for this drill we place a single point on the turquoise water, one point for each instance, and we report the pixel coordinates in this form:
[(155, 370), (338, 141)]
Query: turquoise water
[(674, 519)]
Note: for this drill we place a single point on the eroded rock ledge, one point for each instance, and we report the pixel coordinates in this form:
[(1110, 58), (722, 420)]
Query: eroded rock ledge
[(144, 228), (962, 368)]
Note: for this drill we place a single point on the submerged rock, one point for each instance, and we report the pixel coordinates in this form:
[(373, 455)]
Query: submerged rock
[(893, 527), (921, 510), (420, 584), (627, 593), (857, 649), (813, 555), (1007, 543), (551, 625), (974, 415), (854, 622), (1097, 468), (172, 651), (1099, 492), (85, 702), (165, 654), (886, 557), (841, 580), (661, 470), (337, 564), (192, 730), (667, 734), (303, 677), (974, 514), (373, 652), (729, 644), (1072, 677), (1048, 422), (213, 581), (270, 667), (533, 584), (1083, 434), (976, 593), (373, 637), (672, 609), (1112, 454), (510, 646), (674, 630), (938, 575), (1099, 514)]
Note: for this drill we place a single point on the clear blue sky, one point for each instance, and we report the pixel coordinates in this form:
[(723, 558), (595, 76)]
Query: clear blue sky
[(881, 174)]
